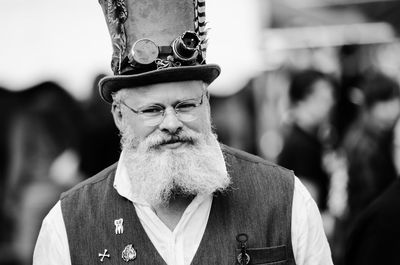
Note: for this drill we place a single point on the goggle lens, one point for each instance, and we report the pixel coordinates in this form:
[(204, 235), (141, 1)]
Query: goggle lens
[(185, 48)]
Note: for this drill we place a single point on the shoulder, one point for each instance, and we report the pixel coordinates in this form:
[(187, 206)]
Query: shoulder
[(252, 171), (97, 179), (381, 212), (310, 244), (235, 156), (52, 242), (376, 226)]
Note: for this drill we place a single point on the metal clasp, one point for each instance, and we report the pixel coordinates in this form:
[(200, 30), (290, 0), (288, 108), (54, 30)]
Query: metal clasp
[(243, 258)]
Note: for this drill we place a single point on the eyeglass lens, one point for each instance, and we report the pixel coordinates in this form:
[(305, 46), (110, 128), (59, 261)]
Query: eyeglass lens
[(184, 111), (155, 120)]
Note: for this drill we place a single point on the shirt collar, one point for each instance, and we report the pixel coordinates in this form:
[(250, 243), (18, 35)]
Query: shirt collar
[(122, 182)]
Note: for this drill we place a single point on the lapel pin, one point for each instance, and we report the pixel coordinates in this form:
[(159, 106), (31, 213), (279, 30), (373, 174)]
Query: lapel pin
[(119, 229), (104, 255), (129, 253)]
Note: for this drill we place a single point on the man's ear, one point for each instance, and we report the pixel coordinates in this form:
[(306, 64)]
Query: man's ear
[(117, 114)]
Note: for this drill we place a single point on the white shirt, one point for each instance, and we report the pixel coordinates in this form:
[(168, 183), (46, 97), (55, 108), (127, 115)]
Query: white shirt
[(178, 247)]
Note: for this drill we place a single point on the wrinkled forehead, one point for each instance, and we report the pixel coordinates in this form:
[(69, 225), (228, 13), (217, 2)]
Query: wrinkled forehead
[(165, 92)]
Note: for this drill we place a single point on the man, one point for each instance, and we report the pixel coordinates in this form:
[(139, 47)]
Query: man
[(176, 196), (368, 143), (375, 237), (311, 95)]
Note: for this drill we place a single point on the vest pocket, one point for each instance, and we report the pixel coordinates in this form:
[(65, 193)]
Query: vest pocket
[(269, 255)]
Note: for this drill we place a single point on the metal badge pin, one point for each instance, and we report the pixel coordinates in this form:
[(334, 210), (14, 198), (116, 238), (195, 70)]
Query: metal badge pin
[(119, 229), (243, 258), (104, 255), (129, 253)]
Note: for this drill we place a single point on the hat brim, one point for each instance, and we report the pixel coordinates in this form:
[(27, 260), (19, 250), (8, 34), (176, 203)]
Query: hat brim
[(110, 84)]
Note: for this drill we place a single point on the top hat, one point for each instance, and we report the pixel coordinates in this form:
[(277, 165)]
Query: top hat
[(156, 41)]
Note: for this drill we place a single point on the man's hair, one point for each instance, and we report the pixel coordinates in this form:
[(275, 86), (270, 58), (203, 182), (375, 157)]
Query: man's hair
[(301, 85), (379, 87), (119, 95)]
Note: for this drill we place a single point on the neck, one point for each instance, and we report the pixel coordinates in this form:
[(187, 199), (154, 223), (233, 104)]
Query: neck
[(171, 213)]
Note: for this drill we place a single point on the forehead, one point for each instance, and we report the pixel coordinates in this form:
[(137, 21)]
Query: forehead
[(165, 92)]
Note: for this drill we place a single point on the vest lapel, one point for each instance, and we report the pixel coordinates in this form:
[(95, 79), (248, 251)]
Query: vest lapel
[(136, 235)]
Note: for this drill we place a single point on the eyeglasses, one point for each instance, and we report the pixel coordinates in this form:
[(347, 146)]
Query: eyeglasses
[(153, 114)]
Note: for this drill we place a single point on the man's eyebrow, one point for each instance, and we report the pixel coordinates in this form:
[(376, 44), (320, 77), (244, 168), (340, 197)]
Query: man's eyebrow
[(182, 100), (173, 104), (149, 104)]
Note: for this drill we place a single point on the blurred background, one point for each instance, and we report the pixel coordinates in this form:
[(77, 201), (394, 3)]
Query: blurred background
[(312, 85)]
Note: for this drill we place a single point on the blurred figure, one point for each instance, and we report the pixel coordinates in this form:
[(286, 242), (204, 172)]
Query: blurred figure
[(233, 118), (311, 95), (8, 107), (368, 143), (100, 141), (352, 59), (44, 161), (375, 238)]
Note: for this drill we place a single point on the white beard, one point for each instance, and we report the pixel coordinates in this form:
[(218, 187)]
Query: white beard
[(158, 175)]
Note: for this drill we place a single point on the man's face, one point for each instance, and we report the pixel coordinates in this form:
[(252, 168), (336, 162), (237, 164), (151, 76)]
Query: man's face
[(166, 94), (175, 154), (385, 113), (321, 100), (316, 107)]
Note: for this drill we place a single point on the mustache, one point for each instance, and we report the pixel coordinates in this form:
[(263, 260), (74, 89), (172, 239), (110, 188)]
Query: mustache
[(176, 139), (155, 142)]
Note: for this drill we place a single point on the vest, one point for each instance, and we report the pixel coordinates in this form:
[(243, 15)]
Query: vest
[(258, 204)]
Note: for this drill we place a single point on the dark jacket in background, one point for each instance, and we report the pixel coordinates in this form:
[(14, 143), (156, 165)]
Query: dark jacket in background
[(370, 166), (375, 238), (303, 152)]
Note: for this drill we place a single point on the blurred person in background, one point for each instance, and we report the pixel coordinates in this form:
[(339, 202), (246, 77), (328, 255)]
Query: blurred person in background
[(368, 143), (8, 107), (44, 161), (312, 97), (233, 117), (99, 137), (375, 238), (352, 59)]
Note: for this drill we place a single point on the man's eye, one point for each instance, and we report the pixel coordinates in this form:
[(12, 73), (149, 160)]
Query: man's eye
[(186, 106), (152, 110)]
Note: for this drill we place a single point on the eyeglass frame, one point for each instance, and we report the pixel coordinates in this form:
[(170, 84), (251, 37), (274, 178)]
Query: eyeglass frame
[(139, 111)]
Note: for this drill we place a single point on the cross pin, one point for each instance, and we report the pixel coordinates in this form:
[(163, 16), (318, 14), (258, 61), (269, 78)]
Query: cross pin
[(104, 255)]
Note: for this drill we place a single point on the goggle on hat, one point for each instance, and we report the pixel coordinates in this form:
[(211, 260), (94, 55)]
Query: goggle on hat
[(156, 41)]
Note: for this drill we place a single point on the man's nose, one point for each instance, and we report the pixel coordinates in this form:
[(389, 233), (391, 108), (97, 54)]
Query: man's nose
[(170, 123)]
